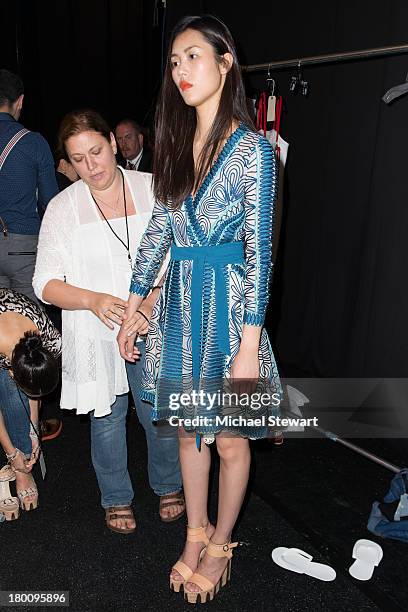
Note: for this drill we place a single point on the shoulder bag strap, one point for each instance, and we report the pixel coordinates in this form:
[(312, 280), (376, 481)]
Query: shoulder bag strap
[(11, 144)]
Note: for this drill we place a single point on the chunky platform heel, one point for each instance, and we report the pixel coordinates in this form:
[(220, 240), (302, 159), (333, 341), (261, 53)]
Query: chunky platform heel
[(194, 534), (23, 495), (208, 590), (9, 505)]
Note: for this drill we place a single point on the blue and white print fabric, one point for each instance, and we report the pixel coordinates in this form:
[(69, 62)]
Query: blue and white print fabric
[(235, 204)]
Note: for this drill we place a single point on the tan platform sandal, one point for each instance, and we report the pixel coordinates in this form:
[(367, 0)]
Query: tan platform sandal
[(208, 590), (113, 514), (194, 534), (9, 505), (31, 491)]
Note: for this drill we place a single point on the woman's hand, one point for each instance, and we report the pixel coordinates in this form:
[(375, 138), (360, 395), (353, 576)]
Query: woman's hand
[(138, 323), (35, 445), (107, 308), (33, 458), (20, 463), (135, 325)]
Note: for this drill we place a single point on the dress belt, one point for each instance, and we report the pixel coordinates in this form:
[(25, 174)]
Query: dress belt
[(217, 256)]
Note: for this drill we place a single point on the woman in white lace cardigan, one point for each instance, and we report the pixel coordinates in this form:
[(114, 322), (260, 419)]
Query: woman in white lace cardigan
[(88, 236)]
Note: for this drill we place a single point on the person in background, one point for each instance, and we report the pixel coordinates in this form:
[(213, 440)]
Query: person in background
[(51, 421), (27, 184), (130, 139), (65, 173), (88, 236)]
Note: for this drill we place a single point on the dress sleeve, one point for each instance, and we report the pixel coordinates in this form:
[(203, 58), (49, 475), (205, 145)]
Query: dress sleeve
[(153, 247), (50, 263), (259, 204)]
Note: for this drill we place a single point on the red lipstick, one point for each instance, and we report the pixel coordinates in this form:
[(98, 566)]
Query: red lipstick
[(185, 85)]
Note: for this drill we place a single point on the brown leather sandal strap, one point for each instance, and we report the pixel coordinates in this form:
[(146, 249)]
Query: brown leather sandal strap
[(178, 495), (119, 512), (178, 502), (116, 508), (115, 517)]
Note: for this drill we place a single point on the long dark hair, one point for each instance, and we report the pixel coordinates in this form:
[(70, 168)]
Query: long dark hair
[(34, 368), (173, 164)]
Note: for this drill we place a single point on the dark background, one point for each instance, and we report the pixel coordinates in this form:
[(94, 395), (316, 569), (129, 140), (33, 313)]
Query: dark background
[(340, 296)]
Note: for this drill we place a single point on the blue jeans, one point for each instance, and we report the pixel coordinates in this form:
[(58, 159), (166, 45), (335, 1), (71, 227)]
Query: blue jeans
[(15, 409), (162, 444), (109, 448), (109, 455)]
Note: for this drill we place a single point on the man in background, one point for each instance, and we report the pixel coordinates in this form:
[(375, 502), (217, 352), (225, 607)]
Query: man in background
[(27, 184), (129, 136)]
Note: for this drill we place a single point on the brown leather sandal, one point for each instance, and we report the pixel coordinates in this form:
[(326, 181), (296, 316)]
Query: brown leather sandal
[(113, 514), (172, 499)]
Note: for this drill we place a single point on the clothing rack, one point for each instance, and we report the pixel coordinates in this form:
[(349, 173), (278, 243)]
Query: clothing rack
[(331, 58)]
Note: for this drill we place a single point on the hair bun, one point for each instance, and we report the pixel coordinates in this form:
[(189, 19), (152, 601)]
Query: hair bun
[(32, 343)]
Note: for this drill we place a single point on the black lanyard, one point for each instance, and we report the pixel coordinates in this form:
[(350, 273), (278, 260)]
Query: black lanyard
[(126, 218)]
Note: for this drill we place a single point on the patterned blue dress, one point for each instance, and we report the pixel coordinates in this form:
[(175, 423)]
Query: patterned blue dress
[(218, 280)]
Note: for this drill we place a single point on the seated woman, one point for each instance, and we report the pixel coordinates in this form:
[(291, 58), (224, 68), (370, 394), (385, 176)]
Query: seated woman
[(84, 263), (29, 348)]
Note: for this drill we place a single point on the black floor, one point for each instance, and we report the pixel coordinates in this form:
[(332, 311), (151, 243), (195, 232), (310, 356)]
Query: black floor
[(309, 494)]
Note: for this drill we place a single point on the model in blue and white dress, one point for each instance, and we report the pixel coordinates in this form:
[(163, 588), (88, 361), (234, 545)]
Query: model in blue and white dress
[(217, 281)]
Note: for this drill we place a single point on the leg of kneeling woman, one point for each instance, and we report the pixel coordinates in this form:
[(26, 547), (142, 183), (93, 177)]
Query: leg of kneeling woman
[(14, 405), (15, 408), (109, 458)]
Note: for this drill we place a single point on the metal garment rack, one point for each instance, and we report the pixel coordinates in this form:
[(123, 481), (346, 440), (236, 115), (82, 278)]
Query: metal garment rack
[(327, 59)]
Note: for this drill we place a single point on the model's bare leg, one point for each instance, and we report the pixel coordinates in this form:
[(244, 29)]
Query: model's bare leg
[(235, 459), (195, 468)]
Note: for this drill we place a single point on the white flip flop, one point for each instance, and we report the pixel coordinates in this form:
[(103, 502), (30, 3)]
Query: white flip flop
[(367, 555), (299, 561)]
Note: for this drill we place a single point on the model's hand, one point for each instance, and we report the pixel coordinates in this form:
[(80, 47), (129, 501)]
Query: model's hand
[(127, 347), (138, 323), (107, 308), (244, 372)]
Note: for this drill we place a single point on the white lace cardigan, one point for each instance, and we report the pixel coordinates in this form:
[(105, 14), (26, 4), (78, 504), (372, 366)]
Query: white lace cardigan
[(62, 254)]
